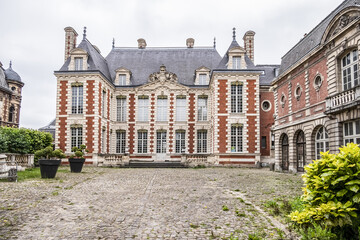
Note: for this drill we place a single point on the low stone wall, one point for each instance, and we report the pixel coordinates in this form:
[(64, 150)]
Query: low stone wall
[(22, 160)]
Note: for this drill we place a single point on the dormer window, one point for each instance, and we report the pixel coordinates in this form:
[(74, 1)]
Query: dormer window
[(202, 79), (123, 76), (202, 76), (122, 79), (78, 63), (237, 62)]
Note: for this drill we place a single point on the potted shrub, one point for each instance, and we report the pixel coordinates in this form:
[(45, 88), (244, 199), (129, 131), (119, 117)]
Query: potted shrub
[(49, 161), (77, 159)]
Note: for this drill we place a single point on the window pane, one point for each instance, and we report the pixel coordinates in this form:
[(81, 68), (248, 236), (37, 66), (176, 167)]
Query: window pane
[(202, 79), (162, 110), (180, 109)]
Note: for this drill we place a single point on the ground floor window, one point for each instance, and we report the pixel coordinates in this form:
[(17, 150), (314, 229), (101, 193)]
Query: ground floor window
[(142, 141), (321, 142), (236, 138), (202, 141), (300, 151), (285, 153), (76, 137), (161, 142), (120, 141), (103, 140), (352, 132), (180, 142)]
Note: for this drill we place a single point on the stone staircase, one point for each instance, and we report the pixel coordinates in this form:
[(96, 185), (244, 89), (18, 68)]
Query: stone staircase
[(148, 164)]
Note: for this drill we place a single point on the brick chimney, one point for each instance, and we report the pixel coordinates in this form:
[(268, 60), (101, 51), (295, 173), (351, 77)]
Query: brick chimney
[(190, 42), (141, 43), (70, 41), (249, 44)]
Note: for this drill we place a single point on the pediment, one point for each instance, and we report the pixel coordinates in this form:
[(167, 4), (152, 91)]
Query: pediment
[(122, 70), (237, 50), (78, 51), (203, 69)]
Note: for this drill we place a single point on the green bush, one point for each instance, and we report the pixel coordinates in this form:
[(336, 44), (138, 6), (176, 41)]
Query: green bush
[(22, 140), (331, 195)]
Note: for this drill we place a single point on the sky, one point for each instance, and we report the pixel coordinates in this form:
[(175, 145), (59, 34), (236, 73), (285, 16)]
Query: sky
[(32, 33)]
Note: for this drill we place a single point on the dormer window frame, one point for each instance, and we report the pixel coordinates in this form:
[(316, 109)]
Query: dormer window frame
[(201, 72), (121, 72), (237, 52), (76, 55)]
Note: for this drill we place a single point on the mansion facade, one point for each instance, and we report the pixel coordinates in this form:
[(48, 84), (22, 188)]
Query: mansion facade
[(317, 91), (165, 104)]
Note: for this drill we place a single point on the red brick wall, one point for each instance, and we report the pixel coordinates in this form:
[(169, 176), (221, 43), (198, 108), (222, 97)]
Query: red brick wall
[(108, 123), (131, 137), (222, 120), (63, 120), (191, 126), (282, 111), (62, 133), (152, 119), (191, 107), (318, 68), (251, 99), (90, 134), (299, 80), (223, 92), (191, 137), (222, 133), (131, 113), (100, 132), (63, 97), (132, 107), (266, 121), (251, 120), (90, 97), (99, 138), (171, 123)]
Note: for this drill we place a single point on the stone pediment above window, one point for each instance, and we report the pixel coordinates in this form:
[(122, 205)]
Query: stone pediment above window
[(163, 76), (236, 58), (78, 60), (202, 76), (122, 77)]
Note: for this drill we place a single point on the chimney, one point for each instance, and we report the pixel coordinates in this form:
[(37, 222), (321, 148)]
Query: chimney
[(190, 42), (249, 44), (141, 43), (70, 41)]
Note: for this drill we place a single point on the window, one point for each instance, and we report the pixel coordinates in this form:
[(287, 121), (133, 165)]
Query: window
[(236, 138), (122, 79), (78, 63), (272, 141), (103, 104), (180, 141), (298, 91), (352, 132), (321, 142), (76, 137), (120, 141), (263, 142), (121, 109), (202, 79), (236, 97), (77, 100), (349, 69), (266, 106), (161, 142), (300, 151), (202, 141), (317, 83), (285, 153), (283, 100), (161, 108), (202, 108), (11, 114), (143, 109), (142, 141), (103, 135), (236, 62), (180, 108)]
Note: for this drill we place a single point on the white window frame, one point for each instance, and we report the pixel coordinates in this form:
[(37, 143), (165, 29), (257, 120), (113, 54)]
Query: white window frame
[(202, 79), (180, 141), (181, 112), (121, 109), (321, 142), (122, 79), (351, 132), (79, 63), (76, 136), (161, 142), (236, 139), (120, 142), (236, 62), (161, 110), (202, 108), (350, 70), (77, 100), (143, 109), (202, 141), (142, 141), (236, 98)]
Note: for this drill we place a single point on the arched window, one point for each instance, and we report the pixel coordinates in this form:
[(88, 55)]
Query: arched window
[(349, 70), (321, 142), (300, 151), (11, 114), (285, 153)]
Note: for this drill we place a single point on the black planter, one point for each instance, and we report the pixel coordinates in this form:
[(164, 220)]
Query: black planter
[(76, 164), (48, 168)]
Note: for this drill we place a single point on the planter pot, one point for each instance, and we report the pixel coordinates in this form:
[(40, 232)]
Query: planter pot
[(76, 164), (48, 168)]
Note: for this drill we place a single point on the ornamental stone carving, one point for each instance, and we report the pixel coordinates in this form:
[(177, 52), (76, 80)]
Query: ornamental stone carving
[(343, 21), (163, 76)]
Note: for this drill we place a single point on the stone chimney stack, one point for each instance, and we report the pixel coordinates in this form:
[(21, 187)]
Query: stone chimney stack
[(70, 41), (190, 42), (249, 44), (141, 43)]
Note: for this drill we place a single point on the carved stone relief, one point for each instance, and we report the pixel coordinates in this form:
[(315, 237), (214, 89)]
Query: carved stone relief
[(163, 76)]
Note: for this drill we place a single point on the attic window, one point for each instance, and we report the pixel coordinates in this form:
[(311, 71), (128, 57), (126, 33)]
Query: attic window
[(122, 79), (202, 79), (78, 63), (236, 62)]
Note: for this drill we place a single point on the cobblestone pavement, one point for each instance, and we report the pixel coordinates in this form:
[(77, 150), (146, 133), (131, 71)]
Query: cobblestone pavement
[(109, 203)]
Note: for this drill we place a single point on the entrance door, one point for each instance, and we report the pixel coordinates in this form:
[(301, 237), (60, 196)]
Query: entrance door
[(300, 151), (285, 153), (161, 146)]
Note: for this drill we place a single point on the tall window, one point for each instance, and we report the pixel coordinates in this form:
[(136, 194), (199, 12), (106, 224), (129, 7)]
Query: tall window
[(103, 105), (161, 108), (285, 153), (161, 142), (236, 97), (121, 109), (142, 141), (349, 67), (202, 141), (11, 113), (103, 135), (120, 141), (180, 108), (263, 142), (202, 79), (77, 100), (143, 112), (76, 137), (236, 62), (352, 132), (202, 108), (78, 63), (180, 141), (300, 151), (321, 142), (122, 79), (236, 138)]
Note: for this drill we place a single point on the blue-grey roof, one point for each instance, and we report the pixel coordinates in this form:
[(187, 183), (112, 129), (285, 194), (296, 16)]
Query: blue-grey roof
[(269, 75), (10, 74), (225, 59), (95, 60), (181, 61), (313, 38), (3, 83)]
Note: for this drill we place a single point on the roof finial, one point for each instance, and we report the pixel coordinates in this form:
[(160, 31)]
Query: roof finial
[(84, 35), (113, 43), (234, 34), (214, 42), (10, 65)]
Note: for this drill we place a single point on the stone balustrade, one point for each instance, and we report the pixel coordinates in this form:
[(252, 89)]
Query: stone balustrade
[(23, 160), (343, 100)]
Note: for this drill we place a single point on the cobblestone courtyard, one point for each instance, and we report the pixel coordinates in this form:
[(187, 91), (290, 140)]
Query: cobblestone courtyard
[(109, 203)]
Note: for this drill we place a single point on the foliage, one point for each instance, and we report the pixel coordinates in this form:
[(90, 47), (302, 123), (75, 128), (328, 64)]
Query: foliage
[(49, 153), (317, 233), (29, 173), (22, 140), (331, 195), (79, 152)]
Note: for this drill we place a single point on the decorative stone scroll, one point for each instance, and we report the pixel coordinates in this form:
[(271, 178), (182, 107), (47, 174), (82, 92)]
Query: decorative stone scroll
[(342, 22), (163, 76)]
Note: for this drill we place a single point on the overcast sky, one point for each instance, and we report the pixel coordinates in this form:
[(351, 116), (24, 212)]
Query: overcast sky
[(33, 37)]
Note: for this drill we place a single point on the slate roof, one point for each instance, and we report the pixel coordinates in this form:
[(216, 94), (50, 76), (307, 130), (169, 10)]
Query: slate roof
[(269, 73), (3, 83), (313, 38), (10, 74), (143, 62)]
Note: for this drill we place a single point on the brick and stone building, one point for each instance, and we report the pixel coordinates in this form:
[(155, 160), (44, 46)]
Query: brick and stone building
[(317, 92), (165, 104), (10, 97)]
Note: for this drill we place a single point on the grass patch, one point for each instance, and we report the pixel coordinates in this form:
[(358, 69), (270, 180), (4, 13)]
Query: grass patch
[(29, 173), (225, 208), (194, 226)]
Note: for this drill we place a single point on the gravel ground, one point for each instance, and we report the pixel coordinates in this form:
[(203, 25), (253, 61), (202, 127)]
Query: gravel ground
[(110, 203)]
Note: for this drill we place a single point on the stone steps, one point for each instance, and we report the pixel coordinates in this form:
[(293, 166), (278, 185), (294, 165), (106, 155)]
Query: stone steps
[(144, 164)]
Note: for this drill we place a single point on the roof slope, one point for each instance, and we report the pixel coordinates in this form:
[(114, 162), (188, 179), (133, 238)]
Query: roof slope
[(3, 83), (312, 39), (270, 73), (143, 62)]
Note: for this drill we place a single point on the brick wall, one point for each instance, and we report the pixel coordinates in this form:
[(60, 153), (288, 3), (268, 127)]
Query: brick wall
[(266, 121), (251, 120), (191, 126), (222, 104)]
